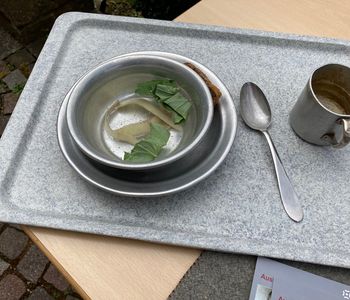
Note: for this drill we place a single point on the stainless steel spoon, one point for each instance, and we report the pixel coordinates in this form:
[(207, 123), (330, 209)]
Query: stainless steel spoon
[(256, 113)]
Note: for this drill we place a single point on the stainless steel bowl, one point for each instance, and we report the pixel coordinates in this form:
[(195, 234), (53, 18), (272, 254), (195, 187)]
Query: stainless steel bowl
[(116, 79)]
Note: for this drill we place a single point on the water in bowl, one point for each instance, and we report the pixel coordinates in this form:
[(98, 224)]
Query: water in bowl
[(133, 114)]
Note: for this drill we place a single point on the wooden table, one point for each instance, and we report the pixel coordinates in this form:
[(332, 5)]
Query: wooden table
[(113, 268)]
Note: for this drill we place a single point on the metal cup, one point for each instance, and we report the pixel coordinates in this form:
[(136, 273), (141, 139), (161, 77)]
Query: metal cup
[(321, 115)]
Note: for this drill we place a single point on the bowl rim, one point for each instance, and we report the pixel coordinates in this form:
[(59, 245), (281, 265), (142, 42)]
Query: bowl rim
[(89, 150)]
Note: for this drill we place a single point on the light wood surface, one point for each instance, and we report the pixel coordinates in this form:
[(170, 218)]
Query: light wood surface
[(111, 268), (330, 18)]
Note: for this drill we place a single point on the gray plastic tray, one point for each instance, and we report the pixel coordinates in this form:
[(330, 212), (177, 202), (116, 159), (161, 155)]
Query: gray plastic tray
[(237, 209)]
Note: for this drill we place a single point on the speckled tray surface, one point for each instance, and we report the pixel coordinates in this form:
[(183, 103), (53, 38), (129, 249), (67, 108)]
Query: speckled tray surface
[(238, 208)]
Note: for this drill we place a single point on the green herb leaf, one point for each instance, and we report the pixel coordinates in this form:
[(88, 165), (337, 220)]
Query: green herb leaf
[(148, 88), (150, 147), (138, 157), (163, 92), (166, 92), (176, 118), (179, 104)]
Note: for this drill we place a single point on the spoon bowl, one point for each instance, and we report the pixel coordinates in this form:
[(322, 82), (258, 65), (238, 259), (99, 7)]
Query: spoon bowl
[(255, 109)]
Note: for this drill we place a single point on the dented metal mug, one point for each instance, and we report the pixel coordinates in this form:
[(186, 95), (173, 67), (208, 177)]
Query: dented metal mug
[(321, 114)]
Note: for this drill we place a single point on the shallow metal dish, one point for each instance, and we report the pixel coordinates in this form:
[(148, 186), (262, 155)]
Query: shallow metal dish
[(175, 177), (117, 79)]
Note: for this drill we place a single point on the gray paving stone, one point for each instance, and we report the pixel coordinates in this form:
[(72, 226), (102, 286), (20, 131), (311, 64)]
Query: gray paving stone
[(11, 288), (22, 12), (9, 102), (33, 263), (20, 57), (4, 69), (12, 242), (97, 4), (3, 123), (3, 87), (26, 69), (17, 226), (69, 297), (54, 277), (8, 44), (3, 266), (217, 276), (14, 79), (39, 294), (36, 46)]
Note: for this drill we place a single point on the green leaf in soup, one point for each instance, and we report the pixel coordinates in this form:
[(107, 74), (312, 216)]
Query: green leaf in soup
[(159, 135), (138, 157), (149, 148), (165, 91), (148, 88), (176, 117), (179, 104)]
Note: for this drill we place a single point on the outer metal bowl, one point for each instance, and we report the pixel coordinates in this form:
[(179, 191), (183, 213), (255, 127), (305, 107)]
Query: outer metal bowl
[(169, 179), (117, 79)]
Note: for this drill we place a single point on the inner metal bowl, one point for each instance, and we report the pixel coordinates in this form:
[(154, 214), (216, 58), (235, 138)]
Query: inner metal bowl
[(116, 79)]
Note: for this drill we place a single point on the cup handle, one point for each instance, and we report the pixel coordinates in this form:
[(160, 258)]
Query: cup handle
[(344, 137)]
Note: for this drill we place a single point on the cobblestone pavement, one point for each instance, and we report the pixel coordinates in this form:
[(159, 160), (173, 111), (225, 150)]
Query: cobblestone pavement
[(25, 272)]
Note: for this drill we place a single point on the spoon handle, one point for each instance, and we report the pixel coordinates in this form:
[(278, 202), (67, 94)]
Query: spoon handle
[(288, 196)]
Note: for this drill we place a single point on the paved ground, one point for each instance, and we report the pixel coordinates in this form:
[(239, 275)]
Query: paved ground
[(25, 272)]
